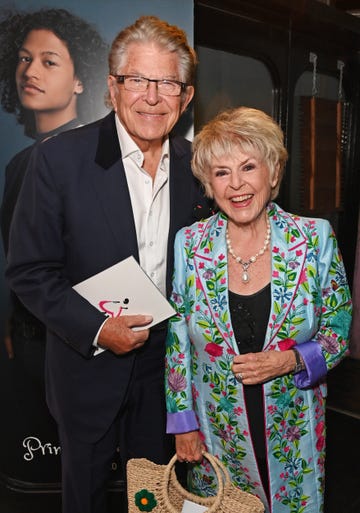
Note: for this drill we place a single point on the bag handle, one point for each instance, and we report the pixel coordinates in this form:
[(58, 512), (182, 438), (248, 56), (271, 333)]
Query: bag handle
[(212, 503)]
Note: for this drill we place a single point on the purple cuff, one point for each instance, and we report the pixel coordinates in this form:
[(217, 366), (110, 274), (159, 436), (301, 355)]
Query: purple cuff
[(315, 364), (181, 422)]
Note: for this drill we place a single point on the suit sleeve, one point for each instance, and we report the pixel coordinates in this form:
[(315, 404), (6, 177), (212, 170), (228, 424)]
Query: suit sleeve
[(37, 261)]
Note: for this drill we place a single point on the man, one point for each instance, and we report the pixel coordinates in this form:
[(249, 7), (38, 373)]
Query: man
[(92, 197)]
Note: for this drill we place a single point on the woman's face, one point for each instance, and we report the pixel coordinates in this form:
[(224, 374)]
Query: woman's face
[(241, 185), (45, 77)]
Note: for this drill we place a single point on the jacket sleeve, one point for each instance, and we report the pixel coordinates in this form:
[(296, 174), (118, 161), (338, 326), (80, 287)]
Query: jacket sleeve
[(37, 259), (330, 344), (181, 416)]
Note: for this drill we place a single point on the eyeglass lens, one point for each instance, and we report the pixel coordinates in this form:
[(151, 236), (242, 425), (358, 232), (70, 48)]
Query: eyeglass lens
[(140, 84)]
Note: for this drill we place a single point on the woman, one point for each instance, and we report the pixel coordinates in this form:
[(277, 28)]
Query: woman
[(263, 312)]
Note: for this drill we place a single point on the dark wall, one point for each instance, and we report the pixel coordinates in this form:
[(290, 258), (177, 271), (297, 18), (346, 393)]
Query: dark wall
[(282, 35)]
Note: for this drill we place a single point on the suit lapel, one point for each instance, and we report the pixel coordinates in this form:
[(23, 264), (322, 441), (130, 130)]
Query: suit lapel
[(181, 196), (111, 187), (210, 260), (179, 185), (108, 149), (289, 249)]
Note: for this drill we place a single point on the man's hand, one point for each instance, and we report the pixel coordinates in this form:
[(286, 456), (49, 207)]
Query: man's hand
[(118, 336)]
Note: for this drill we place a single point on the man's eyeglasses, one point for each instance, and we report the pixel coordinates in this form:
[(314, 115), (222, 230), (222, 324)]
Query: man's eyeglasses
[(140, 84)]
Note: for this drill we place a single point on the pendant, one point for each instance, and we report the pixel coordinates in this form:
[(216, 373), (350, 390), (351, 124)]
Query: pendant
[(245, 277)]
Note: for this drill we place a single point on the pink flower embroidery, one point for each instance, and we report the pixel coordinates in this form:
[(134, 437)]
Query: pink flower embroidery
[(319, 430), (213, 349), (286, 343), (320, 443)]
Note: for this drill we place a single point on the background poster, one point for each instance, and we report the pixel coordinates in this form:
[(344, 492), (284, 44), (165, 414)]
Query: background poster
[(29, 452)]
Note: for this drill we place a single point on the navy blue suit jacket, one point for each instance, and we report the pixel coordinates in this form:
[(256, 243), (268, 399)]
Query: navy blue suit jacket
[(73, 219)]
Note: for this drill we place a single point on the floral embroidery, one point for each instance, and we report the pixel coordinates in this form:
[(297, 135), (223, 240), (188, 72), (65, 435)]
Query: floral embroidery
[(176, 381), (287, 343), (145, 500), (289, 425), (200, 349), (214, 349)]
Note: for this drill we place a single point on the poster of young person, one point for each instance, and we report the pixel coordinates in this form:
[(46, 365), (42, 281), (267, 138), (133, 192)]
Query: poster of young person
[(72, 89)]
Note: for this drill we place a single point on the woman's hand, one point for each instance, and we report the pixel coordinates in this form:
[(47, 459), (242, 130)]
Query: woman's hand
[(254, 368), (189, 447)]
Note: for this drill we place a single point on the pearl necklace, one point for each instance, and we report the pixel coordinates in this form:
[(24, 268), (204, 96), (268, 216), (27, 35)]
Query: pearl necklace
[(245, 265)]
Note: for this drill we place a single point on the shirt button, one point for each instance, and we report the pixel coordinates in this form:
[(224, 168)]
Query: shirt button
[(151, 244)]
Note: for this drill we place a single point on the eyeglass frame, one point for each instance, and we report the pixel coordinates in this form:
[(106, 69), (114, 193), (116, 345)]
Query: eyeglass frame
[(120, 79)]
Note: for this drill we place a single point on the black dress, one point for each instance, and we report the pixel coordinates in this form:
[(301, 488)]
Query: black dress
[(249, 317)]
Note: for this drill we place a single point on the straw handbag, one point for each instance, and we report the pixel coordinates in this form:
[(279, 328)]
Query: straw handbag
[(155, 488)]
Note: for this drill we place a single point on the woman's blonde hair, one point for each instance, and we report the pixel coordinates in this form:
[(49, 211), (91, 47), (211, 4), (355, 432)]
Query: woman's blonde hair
[(250, 130)]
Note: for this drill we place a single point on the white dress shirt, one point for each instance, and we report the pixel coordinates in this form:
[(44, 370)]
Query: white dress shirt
[(150, 200)]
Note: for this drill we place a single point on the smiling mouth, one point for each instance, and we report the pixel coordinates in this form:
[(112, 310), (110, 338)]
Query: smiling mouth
[(151, 114), (241, 199)]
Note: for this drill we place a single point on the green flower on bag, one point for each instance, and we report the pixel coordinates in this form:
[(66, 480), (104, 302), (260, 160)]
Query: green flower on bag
[(145, 500)]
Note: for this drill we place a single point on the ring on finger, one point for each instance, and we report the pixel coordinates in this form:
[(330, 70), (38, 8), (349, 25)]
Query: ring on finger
[(239, 377)]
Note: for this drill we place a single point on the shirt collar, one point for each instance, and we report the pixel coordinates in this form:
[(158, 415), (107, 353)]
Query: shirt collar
[(129, 148)]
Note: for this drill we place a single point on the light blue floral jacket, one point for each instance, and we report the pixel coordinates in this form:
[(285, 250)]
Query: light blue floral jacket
[(311, 307)]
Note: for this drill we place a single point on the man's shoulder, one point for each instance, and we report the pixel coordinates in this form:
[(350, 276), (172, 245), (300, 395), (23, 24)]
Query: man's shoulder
[(180, 145)]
